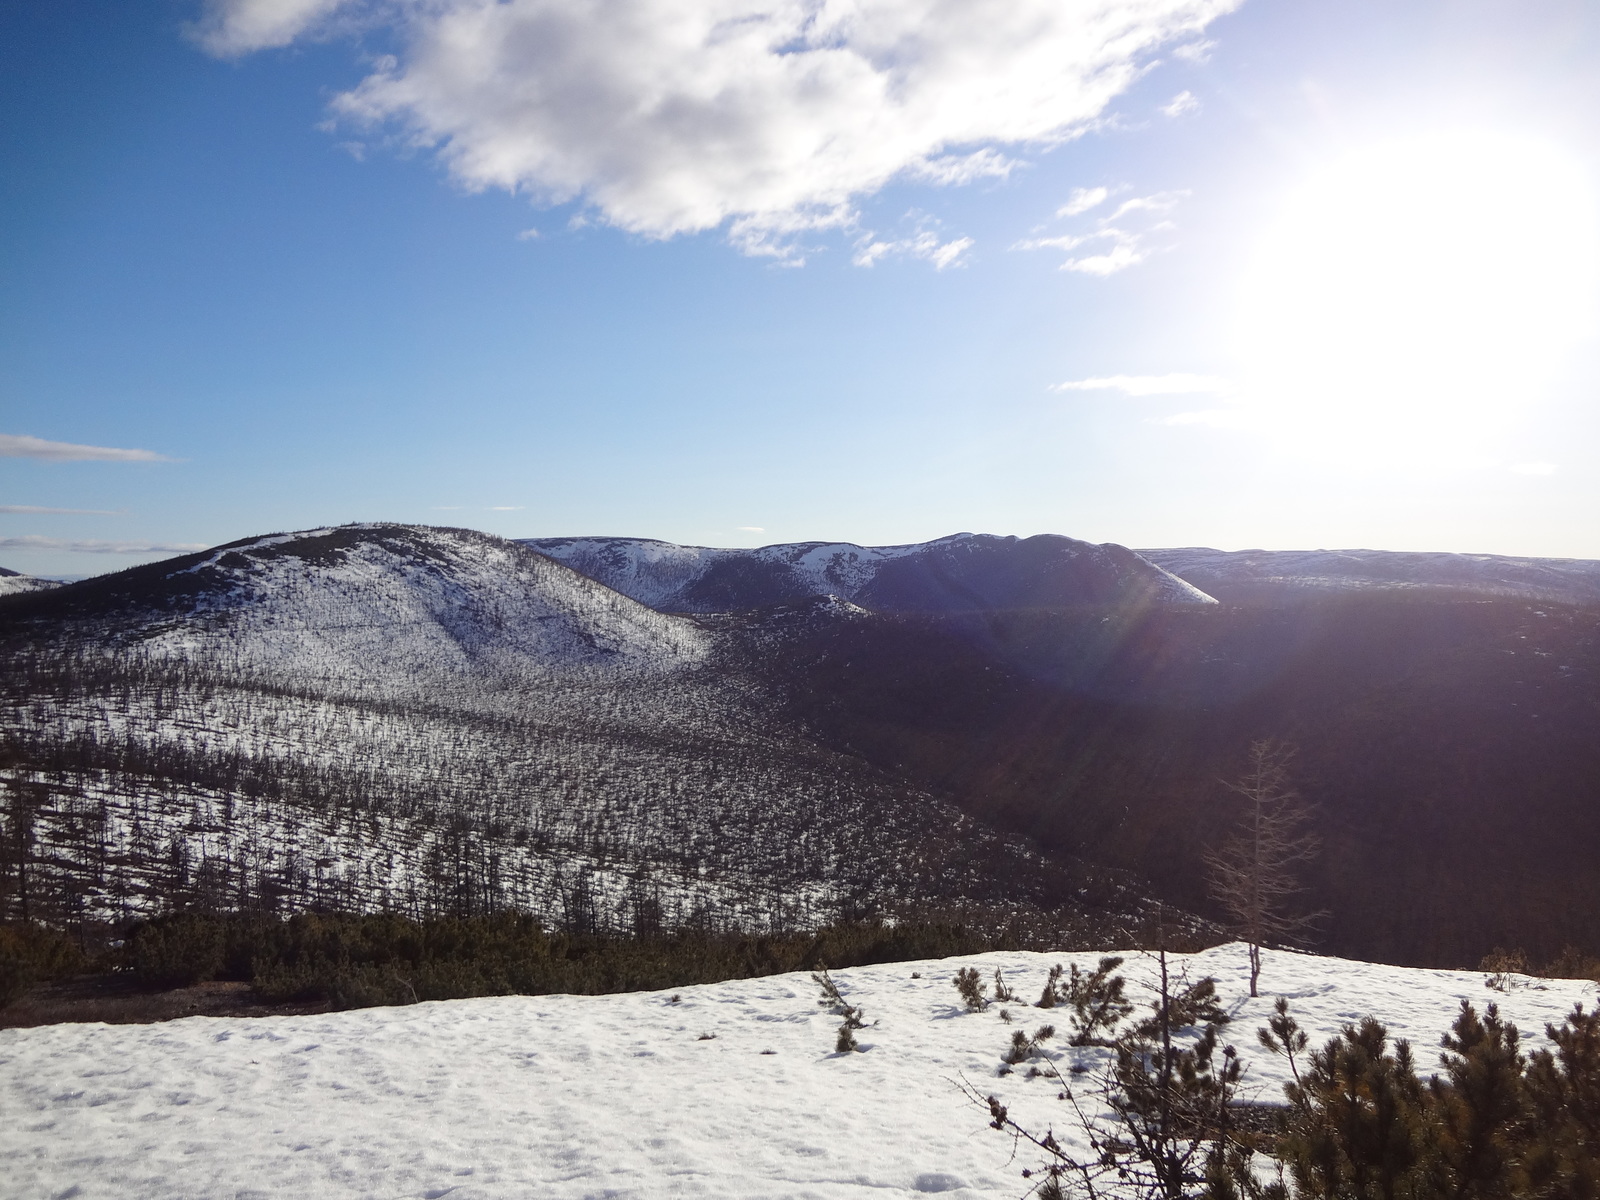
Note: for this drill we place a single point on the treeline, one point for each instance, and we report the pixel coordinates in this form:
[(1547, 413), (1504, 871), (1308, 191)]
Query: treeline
[(351, 961)]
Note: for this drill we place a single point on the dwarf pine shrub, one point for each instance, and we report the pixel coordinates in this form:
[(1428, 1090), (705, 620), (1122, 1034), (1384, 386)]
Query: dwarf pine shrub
[(854, 1017), (1098, 1000), (1024, 1047), (1003, 993), (1053, 993), (974, 992)]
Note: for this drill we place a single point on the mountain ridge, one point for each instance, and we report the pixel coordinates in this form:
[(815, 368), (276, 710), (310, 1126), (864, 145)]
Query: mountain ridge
[(959, 572)]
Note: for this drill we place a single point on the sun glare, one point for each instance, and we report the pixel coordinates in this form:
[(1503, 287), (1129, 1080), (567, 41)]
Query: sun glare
[(1416, 294)]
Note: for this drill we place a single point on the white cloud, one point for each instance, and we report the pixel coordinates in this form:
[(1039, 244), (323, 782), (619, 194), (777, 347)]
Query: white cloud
[(965, 168), (1160, 202), (1125, 245), (1124, 250), (1183, 102), (23, 446), (1195, 52), (507, 507), (1534, 468), (35, 510), (1147, 385), (925, 245), (528, 235), (752, 529), (233, 27), (769, 117), (1082, 200), (1124, 254), (97, 547)]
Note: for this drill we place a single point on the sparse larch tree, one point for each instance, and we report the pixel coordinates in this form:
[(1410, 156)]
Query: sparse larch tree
[(1253, 874)]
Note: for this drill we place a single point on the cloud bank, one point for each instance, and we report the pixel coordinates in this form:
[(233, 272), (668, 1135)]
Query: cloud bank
[(23, 446), (39, 509), (771, 117), (98, 547)]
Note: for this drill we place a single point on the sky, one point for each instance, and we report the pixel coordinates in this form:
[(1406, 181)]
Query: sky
[(1235, 273)]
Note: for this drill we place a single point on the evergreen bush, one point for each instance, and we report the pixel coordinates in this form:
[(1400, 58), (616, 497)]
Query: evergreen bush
[(974, 992), (30, 953), (1098, 1000), (178, 951)]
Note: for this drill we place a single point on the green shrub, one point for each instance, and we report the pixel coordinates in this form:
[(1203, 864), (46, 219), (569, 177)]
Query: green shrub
[(16, 977), (178, 951), (1098, 1001), (30, 953), (974, 992)]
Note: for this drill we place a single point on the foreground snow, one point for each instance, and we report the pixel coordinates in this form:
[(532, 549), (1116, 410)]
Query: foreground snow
[(563, 1096)]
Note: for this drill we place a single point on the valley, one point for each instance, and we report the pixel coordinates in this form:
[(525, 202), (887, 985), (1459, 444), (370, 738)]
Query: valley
[(433, 721)]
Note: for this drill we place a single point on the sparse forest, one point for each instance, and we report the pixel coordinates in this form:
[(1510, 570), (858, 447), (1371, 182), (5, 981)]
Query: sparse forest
[(254, 750)]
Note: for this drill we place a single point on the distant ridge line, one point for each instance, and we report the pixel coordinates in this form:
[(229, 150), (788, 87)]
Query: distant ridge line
[(955, 573)]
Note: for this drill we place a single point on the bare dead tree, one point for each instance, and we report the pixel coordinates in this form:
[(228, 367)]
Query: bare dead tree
[(1253, 873)]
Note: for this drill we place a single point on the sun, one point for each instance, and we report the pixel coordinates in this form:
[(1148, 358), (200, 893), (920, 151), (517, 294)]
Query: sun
[(1415, 294)]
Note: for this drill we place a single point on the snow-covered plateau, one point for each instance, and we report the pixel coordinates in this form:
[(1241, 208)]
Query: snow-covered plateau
[(724, 1090)]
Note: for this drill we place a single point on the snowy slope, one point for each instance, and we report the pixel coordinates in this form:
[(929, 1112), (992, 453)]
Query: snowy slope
[(378, 602), (434, 720), (12, 583), (962, 572), (563, 1097), (1251, 574)]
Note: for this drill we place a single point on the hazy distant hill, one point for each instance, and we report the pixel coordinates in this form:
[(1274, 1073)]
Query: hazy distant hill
[(440, 720), (964, 572), (1279, 575), (13, 583)]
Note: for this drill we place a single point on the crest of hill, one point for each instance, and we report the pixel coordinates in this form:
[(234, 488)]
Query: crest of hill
[(964, 572), (369, 600), (1275, 575)]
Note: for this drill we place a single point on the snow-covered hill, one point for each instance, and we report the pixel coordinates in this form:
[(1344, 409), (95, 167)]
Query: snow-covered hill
[(728, 1090), (1281, 574), (433, 720), (963, 572), (13, 583), (379, 605)]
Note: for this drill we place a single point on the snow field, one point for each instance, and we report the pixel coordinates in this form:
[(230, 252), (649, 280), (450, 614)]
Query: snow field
[(624, 1096)]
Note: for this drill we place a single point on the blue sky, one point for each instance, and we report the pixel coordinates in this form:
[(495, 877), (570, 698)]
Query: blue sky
[(1332, 280)]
